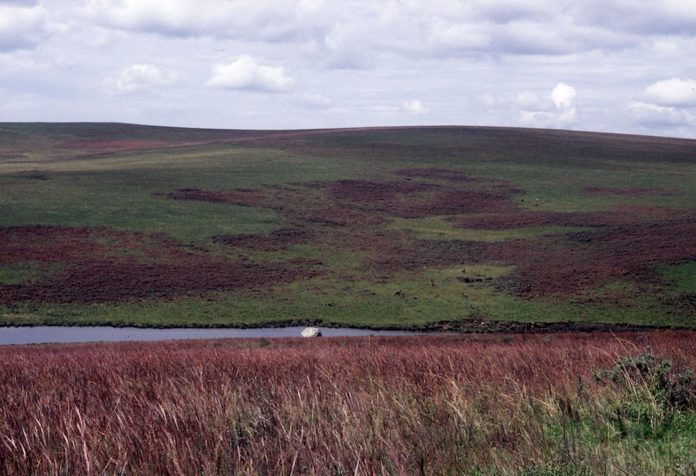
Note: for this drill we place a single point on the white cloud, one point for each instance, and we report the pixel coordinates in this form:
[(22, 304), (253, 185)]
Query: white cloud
[(505, 11), (139, 77), (666, 106), (642, 17), (673, 92), (23, 27), (315, 101), (261, 20), (555, 110), (247, 73), (459, 37), (529, 101), (563, 96), (354, 32), (415, 107), (662, 119), (20, 2), (454, 28)]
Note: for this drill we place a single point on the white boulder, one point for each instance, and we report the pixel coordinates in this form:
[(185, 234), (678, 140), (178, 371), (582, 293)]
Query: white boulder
[(311, 332)]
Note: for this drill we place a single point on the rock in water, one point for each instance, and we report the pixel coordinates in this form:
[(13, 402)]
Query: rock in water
[(311, 332)]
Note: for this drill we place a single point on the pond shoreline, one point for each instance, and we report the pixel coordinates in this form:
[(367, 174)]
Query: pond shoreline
[(43, 334)]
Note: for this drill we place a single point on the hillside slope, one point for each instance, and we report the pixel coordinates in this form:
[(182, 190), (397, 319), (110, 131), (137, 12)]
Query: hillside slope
[(461, 227)]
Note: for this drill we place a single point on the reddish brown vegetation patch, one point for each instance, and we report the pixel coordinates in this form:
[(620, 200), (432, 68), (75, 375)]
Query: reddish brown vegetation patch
[(314, 202), (339, 216), (394, 257), (631, 191), (100, 265), (628, 243), (685, 303), (509, 219), (364, 191), (114, 145), (454, 202), (243, 197), (560, 264), (619, 216), (521, 218), (592, 259), (437, 174), (123, 280), (277, 240), (51, 244), (414, 200)]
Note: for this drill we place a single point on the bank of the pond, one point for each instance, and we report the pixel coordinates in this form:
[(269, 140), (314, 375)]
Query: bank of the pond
[(30, 334)]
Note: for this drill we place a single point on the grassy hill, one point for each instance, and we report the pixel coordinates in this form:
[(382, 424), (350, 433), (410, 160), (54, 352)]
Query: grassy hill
[(462, 227)]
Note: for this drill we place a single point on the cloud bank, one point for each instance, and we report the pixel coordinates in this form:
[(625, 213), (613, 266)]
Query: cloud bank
[(23, 25), (614, 65)]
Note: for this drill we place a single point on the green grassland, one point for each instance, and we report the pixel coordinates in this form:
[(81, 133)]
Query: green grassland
[(52, 175)]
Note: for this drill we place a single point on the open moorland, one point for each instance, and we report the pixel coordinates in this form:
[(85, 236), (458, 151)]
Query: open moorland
[(558, 404), (464, 228)]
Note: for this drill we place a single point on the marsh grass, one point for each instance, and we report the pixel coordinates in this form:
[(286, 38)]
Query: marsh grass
[(485, 405)]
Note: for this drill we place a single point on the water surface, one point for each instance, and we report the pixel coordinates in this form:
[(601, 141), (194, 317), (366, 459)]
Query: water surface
[(61, 334)]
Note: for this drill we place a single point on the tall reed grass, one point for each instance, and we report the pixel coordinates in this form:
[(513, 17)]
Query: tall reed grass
[(430, 405)]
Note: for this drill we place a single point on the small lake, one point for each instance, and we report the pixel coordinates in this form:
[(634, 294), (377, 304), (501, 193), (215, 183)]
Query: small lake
[(60, 334)]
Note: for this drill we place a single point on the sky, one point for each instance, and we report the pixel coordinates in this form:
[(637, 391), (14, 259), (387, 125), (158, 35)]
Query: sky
[(610, 65)]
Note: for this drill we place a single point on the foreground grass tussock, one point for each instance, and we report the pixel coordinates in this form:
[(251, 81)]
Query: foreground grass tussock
[(563, 404)]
